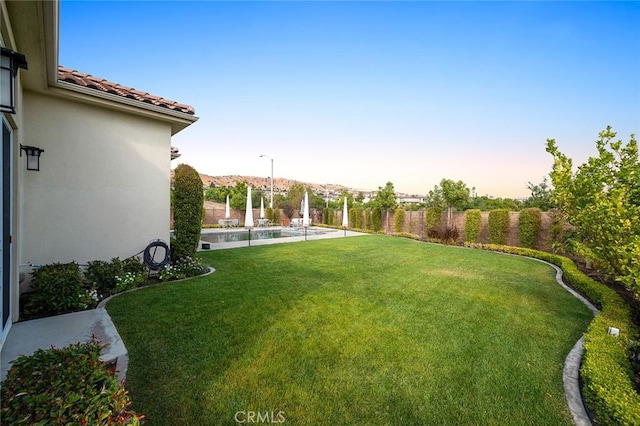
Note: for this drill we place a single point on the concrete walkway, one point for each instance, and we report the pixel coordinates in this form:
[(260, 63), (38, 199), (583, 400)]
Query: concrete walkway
[(63, 330)]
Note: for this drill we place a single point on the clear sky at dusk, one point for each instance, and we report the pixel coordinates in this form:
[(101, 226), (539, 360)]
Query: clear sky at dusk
[(361, 93)]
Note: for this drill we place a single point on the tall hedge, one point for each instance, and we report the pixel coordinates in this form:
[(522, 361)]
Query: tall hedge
[(376, 219), (472, 225), (433, 217), (529, 221), (187, 211), (498, 226), (398, 220), (358, 223)]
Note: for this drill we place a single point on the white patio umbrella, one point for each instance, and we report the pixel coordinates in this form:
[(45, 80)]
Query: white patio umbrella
[(345, 214), (305, 216), (227, 210), (248, 216), (261, 207)]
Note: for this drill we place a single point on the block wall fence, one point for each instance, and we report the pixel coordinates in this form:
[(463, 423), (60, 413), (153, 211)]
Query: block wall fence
[(414, 223)]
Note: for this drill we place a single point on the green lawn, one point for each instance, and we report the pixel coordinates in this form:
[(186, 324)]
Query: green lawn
[(371, 330)]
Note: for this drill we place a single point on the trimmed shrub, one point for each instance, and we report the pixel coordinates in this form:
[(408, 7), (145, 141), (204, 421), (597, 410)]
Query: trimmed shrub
[(187, 211), (606, 373), (352, 217), (498, 226), (529, 221), (376, 219), (473, 220), (269, 213), (358, 221), (108, 277), (398, 220), (276, 215), (58, 288), (433, 217), (64, 386)]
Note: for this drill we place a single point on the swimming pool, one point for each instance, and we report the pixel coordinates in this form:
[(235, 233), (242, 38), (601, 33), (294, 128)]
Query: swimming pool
[(228, 236)]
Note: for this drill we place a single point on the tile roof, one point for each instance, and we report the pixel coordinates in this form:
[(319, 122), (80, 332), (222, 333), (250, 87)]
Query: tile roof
[(91, 82)]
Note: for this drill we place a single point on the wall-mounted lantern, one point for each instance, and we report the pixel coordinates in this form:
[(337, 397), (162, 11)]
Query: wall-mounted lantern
[(10, 61), (33, 156)]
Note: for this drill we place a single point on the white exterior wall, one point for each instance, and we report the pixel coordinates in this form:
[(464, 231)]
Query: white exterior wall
[(103, 187)]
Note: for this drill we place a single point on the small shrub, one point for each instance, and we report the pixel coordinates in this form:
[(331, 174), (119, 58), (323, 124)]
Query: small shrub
[(276, 215), (109, 277), (183, 268), (64, 386), (529, 221), (58, 289), (398, 220), (473, 220), (449, 234), (358, 218), (498, 226)]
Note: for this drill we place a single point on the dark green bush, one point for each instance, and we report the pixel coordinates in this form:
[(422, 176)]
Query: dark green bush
[(398, 220), (433, 217), (107, 277), (187, 211), (58, 289), (269, 213), (529, 221), (606, 373), (64, 386), (473, 220), (498, 226)]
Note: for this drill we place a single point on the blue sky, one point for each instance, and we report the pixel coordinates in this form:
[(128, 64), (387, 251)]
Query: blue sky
[(361, 93)]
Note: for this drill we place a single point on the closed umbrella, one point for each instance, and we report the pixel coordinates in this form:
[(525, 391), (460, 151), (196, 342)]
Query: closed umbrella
[(261, 207), (227, 210), (248, 217), (305, 216), (345, 214)]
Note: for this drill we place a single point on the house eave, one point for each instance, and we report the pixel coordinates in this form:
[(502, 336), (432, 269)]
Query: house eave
[(178, 120)]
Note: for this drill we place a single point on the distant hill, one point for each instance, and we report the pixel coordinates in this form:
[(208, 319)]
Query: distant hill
[(279, 184)]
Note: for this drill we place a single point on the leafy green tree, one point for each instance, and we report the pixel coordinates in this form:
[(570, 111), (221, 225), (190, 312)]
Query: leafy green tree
[(435, 198), (602, 202), (238, 196), (455, 194), (187, 211), (386, 198), (541, 195), (217, 194)]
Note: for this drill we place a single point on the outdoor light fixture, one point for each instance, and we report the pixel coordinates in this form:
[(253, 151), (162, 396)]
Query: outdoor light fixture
[(33, 156), (10, 61)]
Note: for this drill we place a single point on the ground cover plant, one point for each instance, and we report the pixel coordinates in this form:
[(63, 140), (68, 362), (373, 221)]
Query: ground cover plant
[(364, 330)]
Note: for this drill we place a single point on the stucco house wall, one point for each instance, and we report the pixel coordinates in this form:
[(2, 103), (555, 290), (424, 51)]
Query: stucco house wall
[(103, 186), (104, 182)]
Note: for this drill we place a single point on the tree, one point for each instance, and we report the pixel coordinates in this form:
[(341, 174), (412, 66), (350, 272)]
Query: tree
[(541, 196), (385, 199), (602, 202), (187, 211), (455, 194)]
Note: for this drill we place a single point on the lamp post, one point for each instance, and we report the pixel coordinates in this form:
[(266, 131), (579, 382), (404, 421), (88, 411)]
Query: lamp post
[(271, 200)]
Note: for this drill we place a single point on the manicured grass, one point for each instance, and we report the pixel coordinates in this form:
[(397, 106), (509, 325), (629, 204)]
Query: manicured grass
[(366, 330)]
